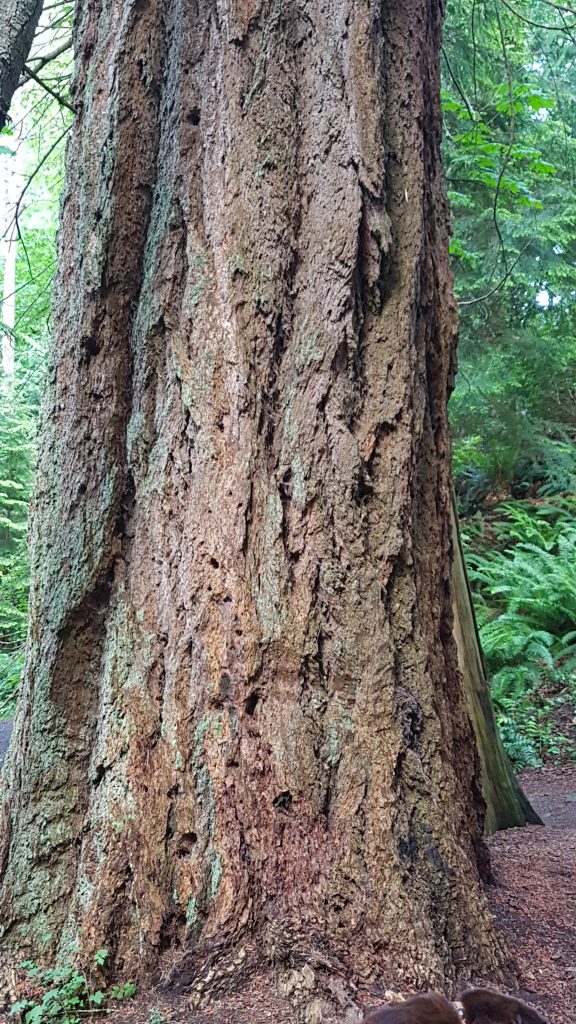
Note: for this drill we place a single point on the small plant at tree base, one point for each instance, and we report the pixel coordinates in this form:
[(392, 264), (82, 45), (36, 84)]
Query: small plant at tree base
[(156, 1017), (65, 995)]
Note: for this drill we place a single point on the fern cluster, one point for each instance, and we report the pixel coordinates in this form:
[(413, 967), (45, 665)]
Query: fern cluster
[(522, 566)]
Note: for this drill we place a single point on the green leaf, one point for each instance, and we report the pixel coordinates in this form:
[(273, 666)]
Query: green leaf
[(35, 1015), (538, 102)]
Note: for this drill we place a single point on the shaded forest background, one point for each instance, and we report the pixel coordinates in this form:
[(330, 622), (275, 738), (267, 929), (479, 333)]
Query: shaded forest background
[(510, 150)]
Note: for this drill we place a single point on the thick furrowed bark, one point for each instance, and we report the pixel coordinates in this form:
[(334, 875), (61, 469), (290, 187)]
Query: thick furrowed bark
[(18, 21), (243, 714)]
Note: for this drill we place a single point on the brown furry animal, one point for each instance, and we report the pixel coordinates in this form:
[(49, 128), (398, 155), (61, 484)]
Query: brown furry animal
[(480, 1006), (428, 1009)]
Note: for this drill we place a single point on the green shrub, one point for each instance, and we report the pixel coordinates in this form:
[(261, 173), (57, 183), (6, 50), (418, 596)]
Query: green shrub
[(522, 567), (66, 995)]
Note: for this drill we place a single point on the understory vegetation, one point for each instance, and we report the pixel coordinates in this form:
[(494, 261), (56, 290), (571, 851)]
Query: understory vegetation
[(66, 995), (521, 560), (510, 148), (510, 155)]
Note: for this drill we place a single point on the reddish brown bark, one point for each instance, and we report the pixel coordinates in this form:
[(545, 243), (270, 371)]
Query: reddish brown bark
[(243, 726)]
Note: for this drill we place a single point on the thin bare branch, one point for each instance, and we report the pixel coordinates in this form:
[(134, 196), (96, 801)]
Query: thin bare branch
[(46, 58), (535, 24), (29, 74), (488, 295)]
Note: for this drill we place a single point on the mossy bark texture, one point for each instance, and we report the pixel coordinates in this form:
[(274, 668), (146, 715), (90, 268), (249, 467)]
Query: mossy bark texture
[(242, 722)]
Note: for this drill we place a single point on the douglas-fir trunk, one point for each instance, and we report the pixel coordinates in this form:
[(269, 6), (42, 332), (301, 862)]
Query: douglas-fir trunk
[(242, 724)]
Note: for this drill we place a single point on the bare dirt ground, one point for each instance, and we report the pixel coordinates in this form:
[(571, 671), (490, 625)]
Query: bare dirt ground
[(533, 898)]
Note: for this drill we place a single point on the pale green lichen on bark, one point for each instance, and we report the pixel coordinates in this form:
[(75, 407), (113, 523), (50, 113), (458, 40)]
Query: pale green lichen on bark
[(202, 777), (235, 265), (290, 428), (203, 280), (308, 350), (331, 750), (206, 824), (129, 655), (270, 30), (268, 595), (81, 547), (298, 481), (191, 912), (215, 875)]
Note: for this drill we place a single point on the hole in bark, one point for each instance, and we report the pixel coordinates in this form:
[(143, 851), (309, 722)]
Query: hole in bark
[(225, 686), (186, 843), (90, 346), (410, 716), (340, 358), (214, 563), (193, 116), (175, 791), (283, 801), (251, 702), (170, 825), (364, 488), (408, 849), (434, 857), (98, 775)]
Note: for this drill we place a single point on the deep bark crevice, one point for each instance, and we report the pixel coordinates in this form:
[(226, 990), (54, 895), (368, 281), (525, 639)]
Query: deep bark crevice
[(271, 757)]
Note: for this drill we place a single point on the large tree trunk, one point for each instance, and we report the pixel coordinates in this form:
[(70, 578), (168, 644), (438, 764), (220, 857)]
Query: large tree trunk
[(18, 21), (242, 723)]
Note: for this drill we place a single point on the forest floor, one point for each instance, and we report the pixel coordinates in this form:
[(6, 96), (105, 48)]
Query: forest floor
[(533, 898)]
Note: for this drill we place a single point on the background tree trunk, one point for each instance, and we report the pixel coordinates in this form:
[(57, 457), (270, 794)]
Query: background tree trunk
[(18, 21), (242, 717), (506, 804)]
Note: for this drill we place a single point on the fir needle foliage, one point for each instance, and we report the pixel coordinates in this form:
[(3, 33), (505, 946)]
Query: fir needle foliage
[(510, 154), (30, 147)]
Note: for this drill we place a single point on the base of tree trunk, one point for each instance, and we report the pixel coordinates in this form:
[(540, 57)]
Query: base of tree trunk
[(242, 718)]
